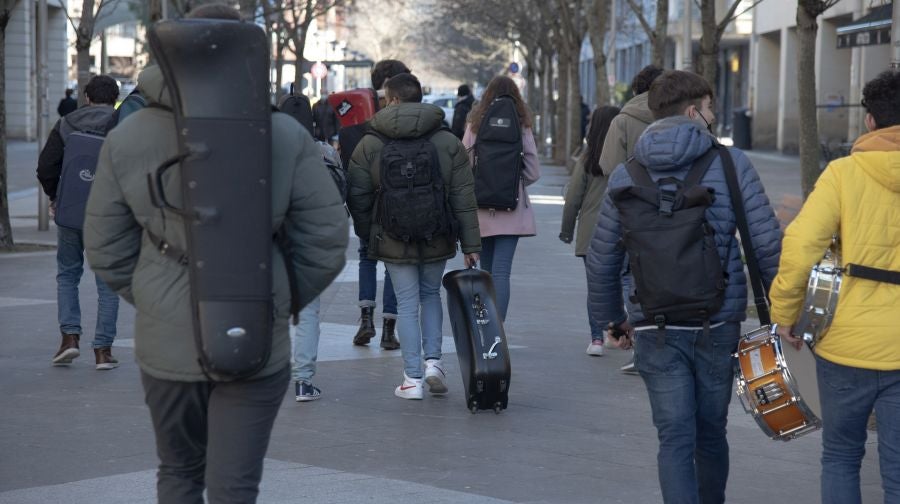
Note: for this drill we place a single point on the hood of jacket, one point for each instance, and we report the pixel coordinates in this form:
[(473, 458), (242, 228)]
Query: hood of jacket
[(407, 120), (878, 153), (672, 143), (152, 85), (92, 118), (639, 109)]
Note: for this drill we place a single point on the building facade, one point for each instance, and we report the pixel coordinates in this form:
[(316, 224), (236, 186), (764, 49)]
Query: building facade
[(850, 50), (21, 68), (633, 51)]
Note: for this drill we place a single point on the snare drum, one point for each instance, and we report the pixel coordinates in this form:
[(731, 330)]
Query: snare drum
[(777, 385), (822, 293)]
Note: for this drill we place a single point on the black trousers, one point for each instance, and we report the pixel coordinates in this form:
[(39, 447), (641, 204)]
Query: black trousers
[(212, 436)]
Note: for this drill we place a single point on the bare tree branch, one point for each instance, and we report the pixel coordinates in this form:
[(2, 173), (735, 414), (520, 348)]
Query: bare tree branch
[(639, 12)]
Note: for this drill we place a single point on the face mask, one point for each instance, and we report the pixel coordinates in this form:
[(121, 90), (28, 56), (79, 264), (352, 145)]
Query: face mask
[(707, 123)]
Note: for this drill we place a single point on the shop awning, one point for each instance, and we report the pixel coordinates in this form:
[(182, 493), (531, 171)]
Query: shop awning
[(872, 29)]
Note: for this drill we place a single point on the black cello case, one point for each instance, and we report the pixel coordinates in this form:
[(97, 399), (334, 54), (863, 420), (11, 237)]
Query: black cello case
[(479, 337), (216, 72)]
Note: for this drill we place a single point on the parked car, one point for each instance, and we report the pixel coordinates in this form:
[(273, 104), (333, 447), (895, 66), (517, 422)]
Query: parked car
[(445, 101)]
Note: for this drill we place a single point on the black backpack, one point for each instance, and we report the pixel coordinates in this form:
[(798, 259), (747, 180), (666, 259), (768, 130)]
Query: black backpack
[(411, 200), (297, 106), (498, 156), (671, 247)]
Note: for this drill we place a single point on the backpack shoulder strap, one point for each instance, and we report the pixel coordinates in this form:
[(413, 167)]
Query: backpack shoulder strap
[(700, 167), (737, 203), (639, 174)]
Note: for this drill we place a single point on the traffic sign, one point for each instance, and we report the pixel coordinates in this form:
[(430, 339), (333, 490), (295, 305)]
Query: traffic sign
[(319, 70), (513, 67)]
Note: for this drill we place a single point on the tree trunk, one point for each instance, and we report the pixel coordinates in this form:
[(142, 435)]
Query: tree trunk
[(6, 235), (299, 46), (807, 28), (279, 68), (83, 36), (660, 33), (575, 99), (548, 108), (598, 22), (709, 43), (561, 132), (530, 87)]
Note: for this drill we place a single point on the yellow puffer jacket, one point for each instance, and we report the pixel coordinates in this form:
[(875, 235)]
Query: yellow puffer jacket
[(857, 197)]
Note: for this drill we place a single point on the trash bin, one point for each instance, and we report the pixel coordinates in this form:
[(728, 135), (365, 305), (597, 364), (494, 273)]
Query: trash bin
[(740, 131)]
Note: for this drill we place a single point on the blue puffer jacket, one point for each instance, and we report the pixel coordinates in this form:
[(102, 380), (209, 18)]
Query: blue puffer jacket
[(668, 148)]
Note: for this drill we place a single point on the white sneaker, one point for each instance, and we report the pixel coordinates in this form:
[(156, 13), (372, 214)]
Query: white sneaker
[(435, 376), (595, 348), (411, 388)]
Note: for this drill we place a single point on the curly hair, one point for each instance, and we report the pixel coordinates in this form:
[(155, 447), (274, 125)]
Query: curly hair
[(385, 69), (881, 98), (102, 89), (499, 86)]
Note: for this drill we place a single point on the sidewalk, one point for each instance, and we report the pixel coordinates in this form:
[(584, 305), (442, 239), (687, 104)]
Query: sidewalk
[(576, 431)]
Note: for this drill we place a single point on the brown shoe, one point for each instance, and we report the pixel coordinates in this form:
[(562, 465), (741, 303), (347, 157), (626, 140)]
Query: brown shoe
[(104, 358), (68, 350)]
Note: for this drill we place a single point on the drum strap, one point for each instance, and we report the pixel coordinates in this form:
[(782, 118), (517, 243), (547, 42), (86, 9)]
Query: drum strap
[(875, 274), (737, 203)]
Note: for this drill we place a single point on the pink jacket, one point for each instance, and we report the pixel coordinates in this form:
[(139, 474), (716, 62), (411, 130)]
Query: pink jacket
[(519, 222)]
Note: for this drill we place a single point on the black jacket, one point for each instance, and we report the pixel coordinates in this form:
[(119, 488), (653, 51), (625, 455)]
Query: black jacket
[(460, 112), (66, 106), (325, 121), (94, 118)]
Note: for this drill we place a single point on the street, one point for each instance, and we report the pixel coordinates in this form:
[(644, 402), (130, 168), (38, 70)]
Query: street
[(576, 431)]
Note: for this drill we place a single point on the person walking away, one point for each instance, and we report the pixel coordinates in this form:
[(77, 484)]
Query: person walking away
[(415, 229), (501, 228), (623, 135), (67, 104), (305, 333), (325, 120), (95, 118), (670, 209), (858, 360), (583, 198), (368, 279), (210, 435), (464, 102)]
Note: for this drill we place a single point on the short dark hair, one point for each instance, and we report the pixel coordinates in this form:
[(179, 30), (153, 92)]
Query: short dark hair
[(674, 91), (69, 92), (642, 81), (385, 69), (881, 98), (102, 89), (215, 11), (463, 90), (404, 86)]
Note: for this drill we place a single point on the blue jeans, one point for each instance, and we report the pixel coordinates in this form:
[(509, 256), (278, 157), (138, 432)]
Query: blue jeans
[(848, 395), (597, 330), (689, 381), (305, 343), (496, 258), (418, 286), (69, 268), (368, 283)]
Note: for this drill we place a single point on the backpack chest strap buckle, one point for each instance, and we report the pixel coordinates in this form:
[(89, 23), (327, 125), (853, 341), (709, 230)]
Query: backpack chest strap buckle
[(666, 202)]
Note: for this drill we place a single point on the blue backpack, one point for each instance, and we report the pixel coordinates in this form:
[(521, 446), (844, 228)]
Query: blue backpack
[(79, 164)]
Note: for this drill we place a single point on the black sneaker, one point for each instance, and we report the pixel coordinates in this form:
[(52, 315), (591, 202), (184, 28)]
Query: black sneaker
[(306, 392)]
